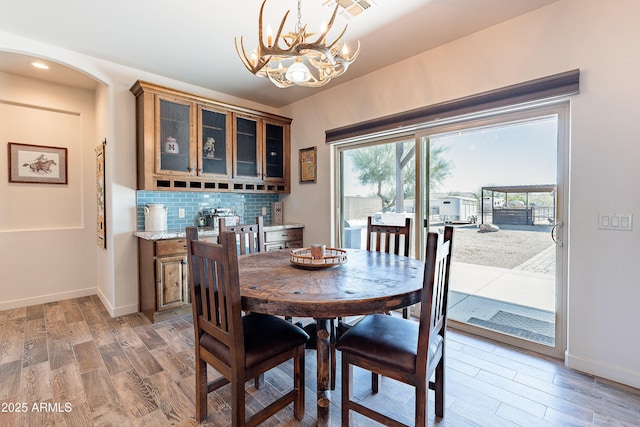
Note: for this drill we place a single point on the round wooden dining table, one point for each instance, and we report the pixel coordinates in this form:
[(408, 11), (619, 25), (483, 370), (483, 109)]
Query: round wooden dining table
[(368, 282)]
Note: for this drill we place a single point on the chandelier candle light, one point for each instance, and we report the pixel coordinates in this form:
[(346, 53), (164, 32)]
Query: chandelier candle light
[(289, 59)]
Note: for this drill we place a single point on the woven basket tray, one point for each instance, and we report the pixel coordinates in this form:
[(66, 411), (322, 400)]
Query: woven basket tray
[(302, 258)]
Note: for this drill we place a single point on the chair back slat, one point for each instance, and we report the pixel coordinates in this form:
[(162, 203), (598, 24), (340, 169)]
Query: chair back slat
[(394, 239), (215, 289), (439, 310), (249, 237), (435, 290)]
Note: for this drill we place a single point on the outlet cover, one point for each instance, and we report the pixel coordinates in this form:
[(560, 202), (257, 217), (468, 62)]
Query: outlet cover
[(277, 214)]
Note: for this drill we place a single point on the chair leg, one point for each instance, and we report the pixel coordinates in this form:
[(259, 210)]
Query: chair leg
[(422, 402), (332, 345), (201, 389), (405, 313), (258, 381), (375, 382), (299, 384), (237, 402), (347, 389), (439, 388)]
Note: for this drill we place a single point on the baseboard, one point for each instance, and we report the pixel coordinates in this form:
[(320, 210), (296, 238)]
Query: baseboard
[(43, 299), (116, 311), (602, 370)]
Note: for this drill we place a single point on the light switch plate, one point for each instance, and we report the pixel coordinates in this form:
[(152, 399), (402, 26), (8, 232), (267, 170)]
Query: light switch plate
[(614, 221)]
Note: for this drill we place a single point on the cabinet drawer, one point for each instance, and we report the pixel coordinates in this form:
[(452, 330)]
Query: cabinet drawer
[(283, 235), (283, 245), (171, 246)]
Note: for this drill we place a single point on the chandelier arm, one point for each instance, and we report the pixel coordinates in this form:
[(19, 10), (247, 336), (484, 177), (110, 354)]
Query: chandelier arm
[(279, 82), (337, 39), (318, 48), (262, 61), (329, 25), (276, 49), (299, 38), (277, 38), (353, 56), (315, 83), (243, 54), (260, 40)]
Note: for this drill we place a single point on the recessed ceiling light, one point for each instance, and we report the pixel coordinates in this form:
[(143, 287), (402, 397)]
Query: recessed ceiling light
[(39, 65)]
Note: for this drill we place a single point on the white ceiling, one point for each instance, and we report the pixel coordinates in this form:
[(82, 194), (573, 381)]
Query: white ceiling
[(193, 41)]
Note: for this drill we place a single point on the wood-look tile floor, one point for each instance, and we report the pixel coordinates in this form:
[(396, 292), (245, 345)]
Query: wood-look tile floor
[(69, 363)]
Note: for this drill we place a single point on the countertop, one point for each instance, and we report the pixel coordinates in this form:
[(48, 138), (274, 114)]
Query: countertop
[(202, 231)]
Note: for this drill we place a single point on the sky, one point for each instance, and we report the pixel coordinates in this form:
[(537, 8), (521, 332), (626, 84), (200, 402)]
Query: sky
[(518, 154), (522, 154)]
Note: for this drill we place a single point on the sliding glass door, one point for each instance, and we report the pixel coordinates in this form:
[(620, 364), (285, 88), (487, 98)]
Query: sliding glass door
[(376, 180), (501, 186), (499, 180)]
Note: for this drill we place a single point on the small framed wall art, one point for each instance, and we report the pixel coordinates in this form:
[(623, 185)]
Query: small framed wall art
[(37, 164), (101, 224), (308, 164)]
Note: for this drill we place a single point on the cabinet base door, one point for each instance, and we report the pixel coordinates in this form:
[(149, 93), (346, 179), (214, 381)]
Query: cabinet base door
[(171, 275)]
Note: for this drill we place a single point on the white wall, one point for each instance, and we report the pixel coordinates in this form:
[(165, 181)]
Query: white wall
[(46, 230), (600, 40)]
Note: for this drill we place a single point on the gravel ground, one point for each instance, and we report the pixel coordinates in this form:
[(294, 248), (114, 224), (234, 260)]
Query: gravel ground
[(507, 248)]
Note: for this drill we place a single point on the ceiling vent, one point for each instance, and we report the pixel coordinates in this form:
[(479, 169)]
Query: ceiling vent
[(350, 8)]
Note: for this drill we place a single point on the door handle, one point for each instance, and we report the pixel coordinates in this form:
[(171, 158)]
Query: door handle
[(554, 235)]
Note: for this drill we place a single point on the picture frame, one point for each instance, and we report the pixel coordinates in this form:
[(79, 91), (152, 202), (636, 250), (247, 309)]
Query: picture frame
[(308, 165), (101, 223), (37, 164)]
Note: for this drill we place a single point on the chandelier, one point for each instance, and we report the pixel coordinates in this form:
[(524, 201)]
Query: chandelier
[(293, 59)]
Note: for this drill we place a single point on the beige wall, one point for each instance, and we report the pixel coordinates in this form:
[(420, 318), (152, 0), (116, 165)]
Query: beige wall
[(47, 235), (603, 290)]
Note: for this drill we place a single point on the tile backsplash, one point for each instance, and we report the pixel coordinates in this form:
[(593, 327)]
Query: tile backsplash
[(247, 206)]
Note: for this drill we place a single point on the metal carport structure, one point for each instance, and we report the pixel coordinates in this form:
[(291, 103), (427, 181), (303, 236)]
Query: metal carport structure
[(516, 189)]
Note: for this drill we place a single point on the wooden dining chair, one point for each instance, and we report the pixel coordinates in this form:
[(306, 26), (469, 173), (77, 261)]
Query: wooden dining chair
[(249, 237), (249, 240), (407, 351), (394, 239), (238, 347)]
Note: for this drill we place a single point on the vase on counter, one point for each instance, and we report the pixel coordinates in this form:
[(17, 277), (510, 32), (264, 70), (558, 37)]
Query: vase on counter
[(155, 217)]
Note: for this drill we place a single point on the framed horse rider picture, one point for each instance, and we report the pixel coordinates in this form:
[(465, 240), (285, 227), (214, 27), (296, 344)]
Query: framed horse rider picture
[(37, 164)]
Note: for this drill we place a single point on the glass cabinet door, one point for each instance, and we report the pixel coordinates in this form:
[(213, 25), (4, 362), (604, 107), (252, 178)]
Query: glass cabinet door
[(174, 137), (246, 148), (215, 143), (274, 151)]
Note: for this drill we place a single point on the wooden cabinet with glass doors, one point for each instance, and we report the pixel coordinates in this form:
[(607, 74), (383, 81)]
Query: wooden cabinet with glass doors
[(190, 143), (215, 151), (247, 148), (174, 129), (276, 151)]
